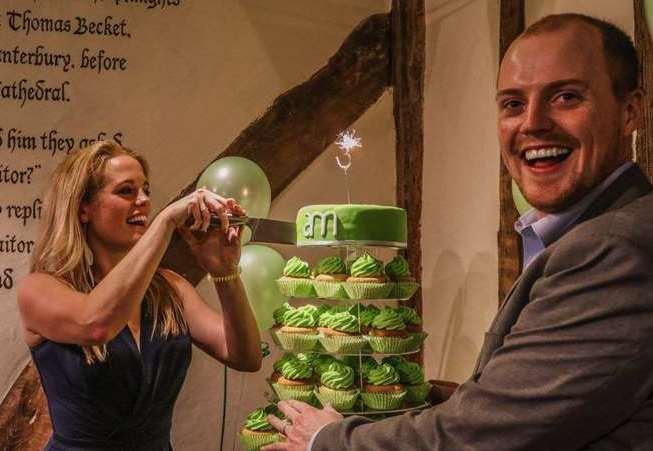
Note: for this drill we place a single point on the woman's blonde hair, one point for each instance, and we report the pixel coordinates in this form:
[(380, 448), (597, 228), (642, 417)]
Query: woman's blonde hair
[(62, 251)]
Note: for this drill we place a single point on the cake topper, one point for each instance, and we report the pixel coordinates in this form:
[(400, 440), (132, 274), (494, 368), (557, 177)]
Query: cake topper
[(347, 142)]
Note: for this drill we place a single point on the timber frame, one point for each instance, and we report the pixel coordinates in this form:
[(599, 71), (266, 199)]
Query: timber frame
[(384, 50)]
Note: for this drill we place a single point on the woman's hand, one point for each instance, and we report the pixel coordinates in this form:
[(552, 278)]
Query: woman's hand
[(217, 250)]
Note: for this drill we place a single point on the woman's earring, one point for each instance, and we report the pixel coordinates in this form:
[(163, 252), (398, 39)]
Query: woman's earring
[(88, 254)]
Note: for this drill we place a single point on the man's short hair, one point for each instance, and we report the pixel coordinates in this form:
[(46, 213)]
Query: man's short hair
[(618, 48)]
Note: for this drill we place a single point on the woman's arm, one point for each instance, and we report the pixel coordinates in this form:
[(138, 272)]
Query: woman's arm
[(51, 309), (231, 338)]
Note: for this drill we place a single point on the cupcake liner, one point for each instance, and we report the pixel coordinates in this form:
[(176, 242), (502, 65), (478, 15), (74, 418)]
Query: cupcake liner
[(297, 342), (343, 344), (404, 290), (416, 394), (391, 345), (285, 392), (273, 333), (362, 290), (383, 401), (329, 290), (341, 400), (416, 340), (296, 287), (253, 441)]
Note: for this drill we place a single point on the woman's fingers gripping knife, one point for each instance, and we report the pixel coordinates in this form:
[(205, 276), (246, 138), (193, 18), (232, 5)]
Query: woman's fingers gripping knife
[(219, 207)]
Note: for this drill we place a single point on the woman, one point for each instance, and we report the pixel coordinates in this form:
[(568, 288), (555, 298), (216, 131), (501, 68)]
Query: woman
[(110, 331)]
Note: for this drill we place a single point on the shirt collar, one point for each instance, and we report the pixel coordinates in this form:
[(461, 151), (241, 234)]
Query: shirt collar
[(554, 225)]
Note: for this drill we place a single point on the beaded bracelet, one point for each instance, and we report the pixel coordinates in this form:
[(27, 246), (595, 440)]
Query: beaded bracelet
[(227, 278)]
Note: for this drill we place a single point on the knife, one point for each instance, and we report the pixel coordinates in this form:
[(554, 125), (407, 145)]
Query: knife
[(263, 230)]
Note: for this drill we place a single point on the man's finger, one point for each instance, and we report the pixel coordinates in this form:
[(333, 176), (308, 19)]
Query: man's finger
[(277, 422), (298, 405), (288, 410), (279, 446)]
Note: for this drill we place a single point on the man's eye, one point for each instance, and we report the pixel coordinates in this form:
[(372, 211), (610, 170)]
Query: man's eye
[(567, 97), (511, 105)]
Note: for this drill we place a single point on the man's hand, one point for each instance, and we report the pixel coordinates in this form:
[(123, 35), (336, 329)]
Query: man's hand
[(304, 422)]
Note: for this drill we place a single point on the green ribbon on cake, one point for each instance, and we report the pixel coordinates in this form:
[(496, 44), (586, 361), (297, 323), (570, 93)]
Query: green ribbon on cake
[(344, 322), (338, 376), (330, 265), (366, 266), (410, 373), (383, 374), (257, 421), (409, 315), (300, 317), (296, 267), (295, 369), (397, 268), (388, 319)]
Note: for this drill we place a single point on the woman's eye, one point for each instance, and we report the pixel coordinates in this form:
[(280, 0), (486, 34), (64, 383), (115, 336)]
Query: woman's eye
[(125, 190)]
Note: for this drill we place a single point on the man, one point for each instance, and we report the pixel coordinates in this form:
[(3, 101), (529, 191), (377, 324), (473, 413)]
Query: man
[(568, 362)]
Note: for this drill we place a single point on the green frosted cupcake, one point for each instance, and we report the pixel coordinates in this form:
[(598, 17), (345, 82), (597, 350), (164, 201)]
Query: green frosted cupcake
[(367, 280), (361, 364), (295, 382), (399, 272), (388, 333), (277, 316), (413, 326), (299, 332), (337, 387), (296, 280), (367, 315), (257, 431), (412, 376), (383, 390), (322, 363), (278, 364), (342, 334), (328, 276)]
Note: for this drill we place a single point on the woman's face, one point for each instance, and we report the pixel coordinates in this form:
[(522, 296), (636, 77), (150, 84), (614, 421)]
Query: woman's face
[(118, 214)]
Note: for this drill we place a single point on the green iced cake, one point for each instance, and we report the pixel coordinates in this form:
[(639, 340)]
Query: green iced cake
[(338, 224)]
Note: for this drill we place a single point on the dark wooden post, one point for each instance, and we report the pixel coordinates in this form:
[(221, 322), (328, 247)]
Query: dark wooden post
[(511, 25), (644, 141), (407, 61)]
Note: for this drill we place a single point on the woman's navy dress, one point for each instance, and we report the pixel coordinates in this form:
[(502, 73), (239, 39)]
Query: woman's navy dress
[(124, 403)]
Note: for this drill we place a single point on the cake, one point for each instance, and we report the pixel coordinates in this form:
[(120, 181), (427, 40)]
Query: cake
[(351, 224), (337, 387), (382, 390)]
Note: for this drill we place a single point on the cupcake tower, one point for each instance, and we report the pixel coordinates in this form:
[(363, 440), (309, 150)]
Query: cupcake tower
[(346, 327)]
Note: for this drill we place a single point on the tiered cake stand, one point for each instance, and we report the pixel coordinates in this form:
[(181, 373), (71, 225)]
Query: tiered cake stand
[(351, 250)]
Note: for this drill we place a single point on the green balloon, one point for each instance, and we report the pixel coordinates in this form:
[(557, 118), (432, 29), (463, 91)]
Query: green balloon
[(518, 198), (241, 179), (261, 266)]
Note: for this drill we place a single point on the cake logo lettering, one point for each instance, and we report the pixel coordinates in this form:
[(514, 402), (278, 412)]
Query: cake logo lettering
[(309, 226)]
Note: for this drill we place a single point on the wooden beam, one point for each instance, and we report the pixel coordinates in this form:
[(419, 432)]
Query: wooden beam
[(24, 418), (296, 129), (408, 62), (644, 141), (511, 24), (304, 121)]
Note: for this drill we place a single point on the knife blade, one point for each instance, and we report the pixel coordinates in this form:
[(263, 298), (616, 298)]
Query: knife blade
[(264, 230)]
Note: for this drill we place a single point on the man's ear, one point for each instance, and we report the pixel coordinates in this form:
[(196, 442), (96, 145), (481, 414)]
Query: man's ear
[(633, 111)]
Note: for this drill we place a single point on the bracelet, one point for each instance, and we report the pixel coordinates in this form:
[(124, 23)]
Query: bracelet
[(227, 278)]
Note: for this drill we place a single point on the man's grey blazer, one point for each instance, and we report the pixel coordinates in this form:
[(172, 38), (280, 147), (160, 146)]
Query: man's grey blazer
[(567, 363)]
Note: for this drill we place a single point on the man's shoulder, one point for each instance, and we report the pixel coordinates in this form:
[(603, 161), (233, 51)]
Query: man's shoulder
[(633, 223)]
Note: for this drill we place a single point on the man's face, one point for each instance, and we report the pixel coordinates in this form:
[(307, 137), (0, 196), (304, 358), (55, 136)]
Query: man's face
[(561, 128)]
